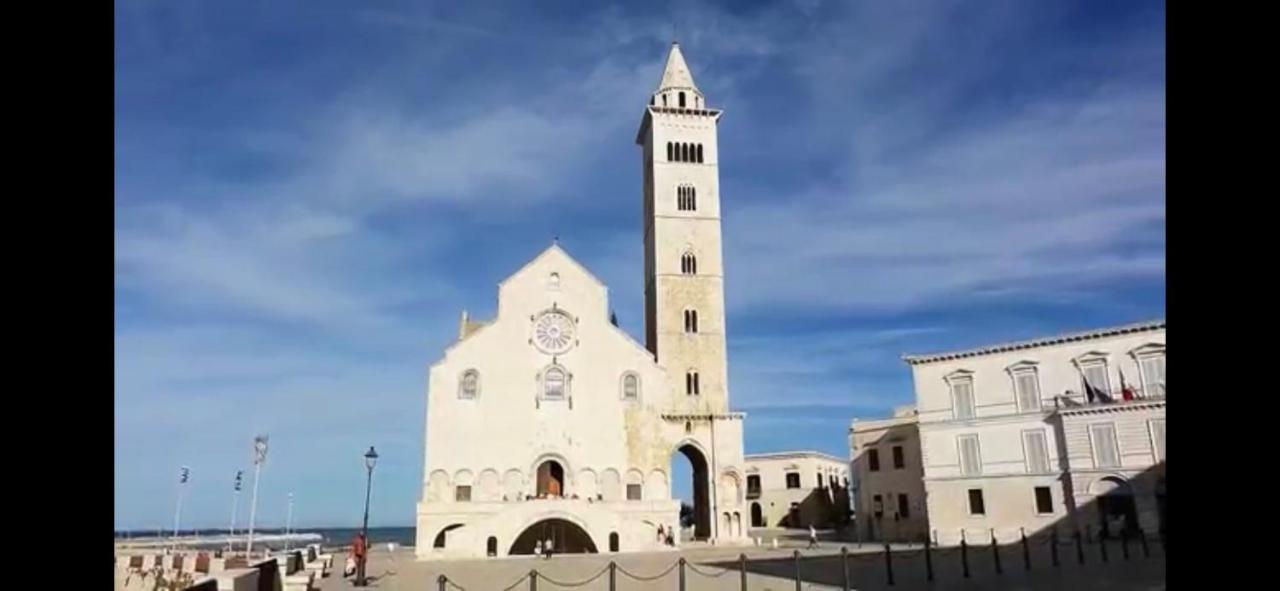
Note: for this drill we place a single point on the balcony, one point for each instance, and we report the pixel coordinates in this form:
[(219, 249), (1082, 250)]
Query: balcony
[(1115, 397), (753, 493)]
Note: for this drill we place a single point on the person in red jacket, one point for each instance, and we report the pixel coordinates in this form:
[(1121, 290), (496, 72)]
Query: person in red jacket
[(359, 548)]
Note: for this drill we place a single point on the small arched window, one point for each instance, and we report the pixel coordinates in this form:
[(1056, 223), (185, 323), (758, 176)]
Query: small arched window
[(491, 546), (686, 198), (469, 385), (682, 99), (613, 542), (553, 281), (699, 158), (689, 264), (691, 383), (553, 383), (684, 152), (670, 149), (630, 387), (664, 100), (651, 99), (690, 321)]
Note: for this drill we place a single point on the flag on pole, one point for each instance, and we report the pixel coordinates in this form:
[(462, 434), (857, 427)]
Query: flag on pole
[(1125, 391), (239, 478), (1095, 393), (186, 473)]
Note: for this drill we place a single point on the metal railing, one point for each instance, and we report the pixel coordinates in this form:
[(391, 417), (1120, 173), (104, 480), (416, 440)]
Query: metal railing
[(999, 555), (1073, 399)]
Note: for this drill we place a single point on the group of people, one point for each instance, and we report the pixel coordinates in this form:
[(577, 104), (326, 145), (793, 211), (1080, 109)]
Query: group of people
[(665, 535), (544, 550)]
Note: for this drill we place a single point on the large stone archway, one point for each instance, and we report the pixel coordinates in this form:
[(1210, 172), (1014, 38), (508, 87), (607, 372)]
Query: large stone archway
[(566, 538), (701, 494)]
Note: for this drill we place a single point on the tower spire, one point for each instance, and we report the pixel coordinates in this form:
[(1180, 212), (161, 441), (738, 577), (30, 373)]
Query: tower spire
[(676, 74)]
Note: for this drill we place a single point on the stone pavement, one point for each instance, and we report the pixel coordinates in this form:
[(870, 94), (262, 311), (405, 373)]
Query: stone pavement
[(716, 569)]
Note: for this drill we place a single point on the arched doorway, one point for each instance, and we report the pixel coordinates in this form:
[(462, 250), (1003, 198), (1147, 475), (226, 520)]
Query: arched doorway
[(491, 547), (1117, 512), (757, 515), (566, 538), (701, 494), (550, 479), (440, 537)]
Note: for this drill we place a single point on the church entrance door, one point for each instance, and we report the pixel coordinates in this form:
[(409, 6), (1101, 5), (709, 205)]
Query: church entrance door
[(550, 479)]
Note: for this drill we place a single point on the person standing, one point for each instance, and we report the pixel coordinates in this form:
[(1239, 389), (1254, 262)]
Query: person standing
[(662, 536), (813, 536), (547, 548), (359, 550)]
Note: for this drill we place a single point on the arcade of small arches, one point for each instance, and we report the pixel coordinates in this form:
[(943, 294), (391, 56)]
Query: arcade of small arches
[(684, 152), (688, 264), (686, 198), (550, 479)]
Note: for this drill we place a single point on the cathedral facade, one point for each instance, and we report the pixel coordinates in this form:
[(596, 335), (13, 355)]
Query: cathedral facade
[(548, 422)]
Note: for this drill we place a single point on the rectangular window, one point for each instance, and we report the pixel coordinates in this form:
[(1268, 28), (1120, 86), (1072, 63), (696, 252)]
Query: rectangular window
[(1096, 375), (462, 494), (633, 492), (899, 461), (1028, 387), (904, 509), (1157, 438), (976, 505), (793, 480), (753, 486), (1036, 450), (962, 398), (1153, 375), (1044, 500), (1105, 453), (970, 459), (877, 505), (873, 460)]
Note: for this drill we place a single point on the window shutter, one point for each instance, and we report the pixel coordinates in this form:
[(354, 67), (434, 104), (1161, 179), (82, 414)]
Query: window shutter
[(1037, 452), (1104, 442), (1028, 391), (963, 394)]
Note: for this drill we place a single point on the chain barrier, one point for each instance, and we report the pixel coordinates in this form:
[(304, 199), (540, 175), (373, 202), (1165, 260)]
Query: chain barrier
[(518, 582), (548, 579), (646, 579), (695, 569)]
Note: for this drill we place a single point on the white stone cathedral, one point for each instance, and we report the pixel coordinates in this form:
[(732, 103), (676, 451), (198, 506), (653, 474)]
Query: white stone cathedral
[(549, 422)]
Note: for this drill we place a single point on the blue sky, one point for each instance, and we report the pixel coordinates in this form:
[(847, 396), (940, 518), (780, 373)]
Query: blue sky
[(308, 193)]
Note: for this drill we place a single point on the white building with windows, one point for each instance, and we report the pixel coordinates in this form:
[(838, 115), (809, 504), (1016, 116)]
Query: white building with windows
[(548, 422), (889, 498), (1063, 431), (797, 489)]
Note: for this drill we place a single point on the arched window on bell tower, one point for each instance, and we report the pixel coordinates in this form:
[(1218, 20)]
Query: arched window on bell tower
[(689, 264), (682, 99), (670, 149), (691, 382), (691, 321)]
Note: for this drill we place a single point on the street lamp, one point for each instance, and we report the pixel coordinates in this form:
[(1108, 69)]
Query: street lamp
[(259, 458), (370, 460)]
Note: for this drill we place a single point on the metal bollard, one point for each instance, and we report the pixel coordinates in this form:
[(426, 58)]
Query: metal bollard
[(613, 576), (1124, 543), (888, 563), (844, 565), (443, 580), (964, 554), (796, 556), (995, 552), (1146, 551), (928, 560), (1102, 547), (742, 565), (1079, 548), (681, 573), (1053, 546), (533, 580), (1026, 550)]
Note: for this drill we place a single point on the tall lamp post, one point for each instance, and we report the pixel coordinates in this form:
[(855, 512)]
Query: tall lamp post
[(370, 460), (183, 475), (288, 523), (235, 503), (259, 458)]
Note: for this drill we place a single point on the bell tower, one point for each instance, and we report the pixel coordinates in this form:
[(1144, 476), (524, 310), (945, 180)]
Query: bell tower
[(684, 272)]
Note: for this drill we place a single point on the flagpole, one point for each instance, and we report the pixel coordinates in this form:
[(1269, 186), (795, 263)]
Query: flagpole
[(259, 456), (235, 503), (177, 514), (288, 522)]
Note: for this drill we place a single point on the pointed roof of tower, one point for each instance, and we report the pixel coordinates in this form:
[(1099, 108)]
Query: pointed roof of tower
[(676, 74)]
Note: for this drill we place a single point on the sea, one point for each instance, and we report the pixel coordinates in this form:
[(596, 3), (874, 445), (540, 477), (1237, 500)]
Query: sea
[(332, 536)]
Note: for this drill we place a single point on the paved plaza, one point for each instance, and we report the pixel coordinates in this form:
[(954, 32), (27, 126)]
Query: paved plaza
[(716, 569)]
